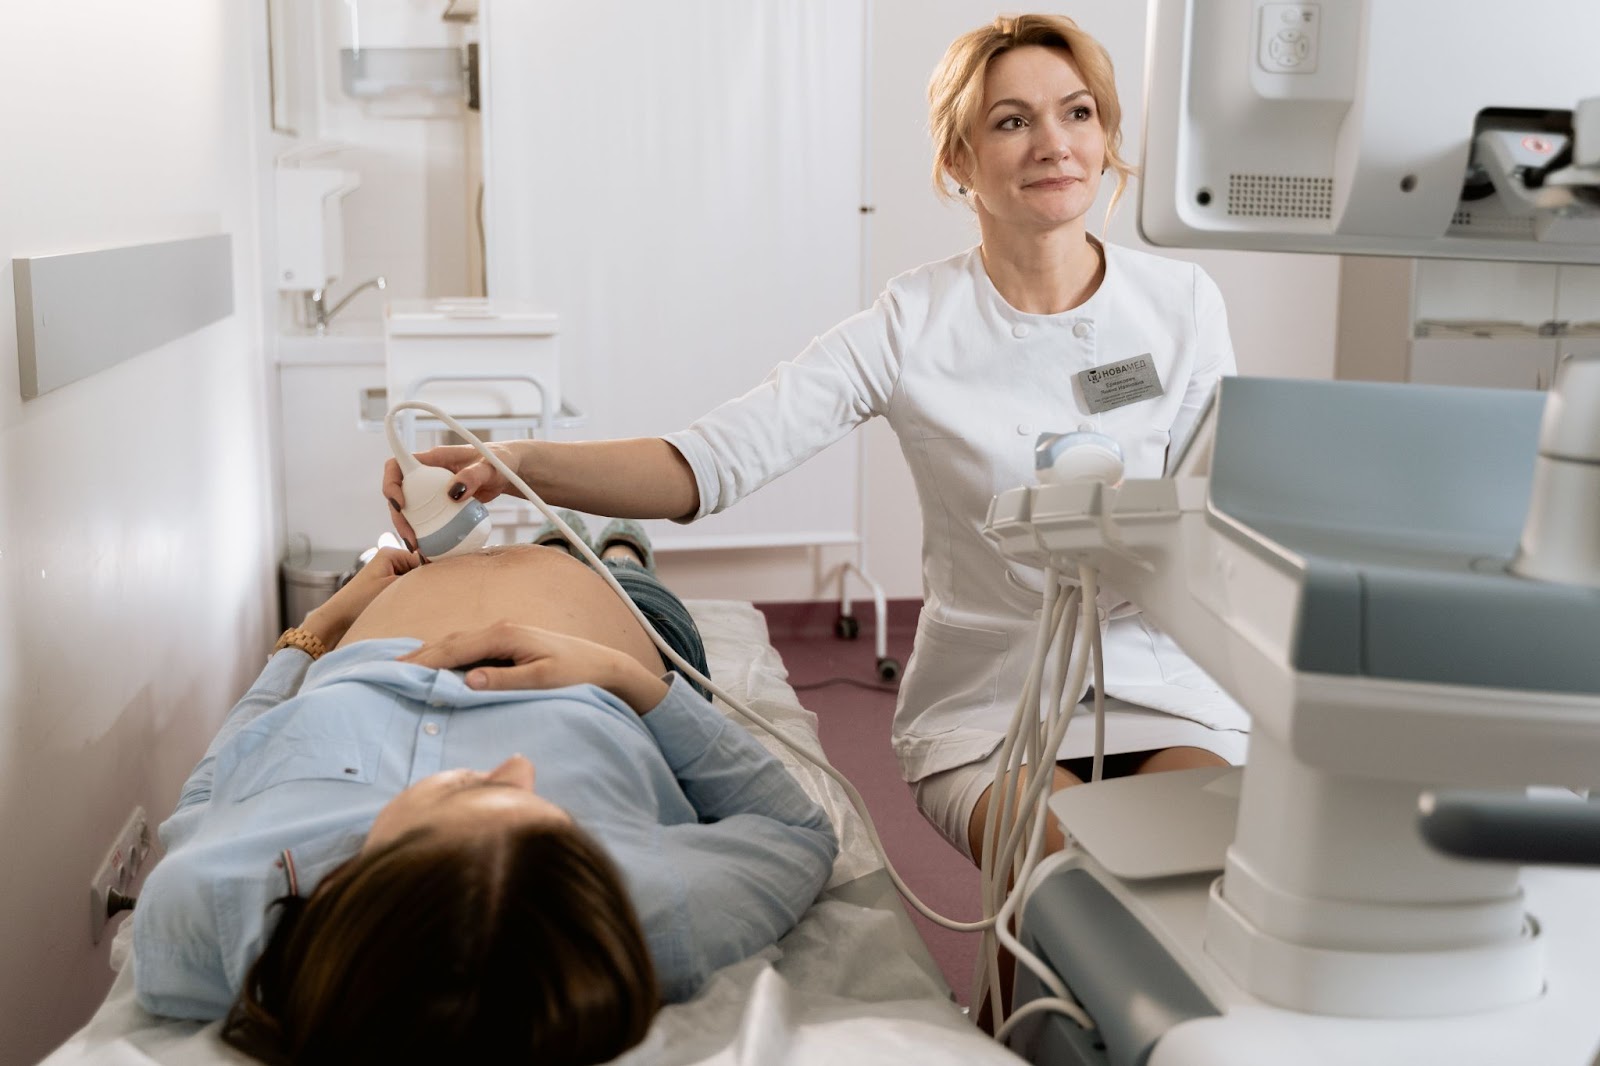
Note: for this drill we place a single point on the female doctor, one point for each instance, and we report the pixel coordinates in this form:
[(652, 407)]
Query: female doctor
[(969, 359)]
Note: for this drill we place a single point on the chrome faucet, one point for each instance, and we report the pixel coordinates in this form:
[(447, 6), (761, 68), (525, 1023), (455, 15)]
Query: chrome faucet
[(320, 314)]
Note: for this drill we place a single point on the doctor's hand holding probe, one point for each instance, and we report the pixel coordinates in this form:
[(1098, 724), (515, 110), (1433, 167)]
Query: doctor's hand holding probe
[(1039, 327)]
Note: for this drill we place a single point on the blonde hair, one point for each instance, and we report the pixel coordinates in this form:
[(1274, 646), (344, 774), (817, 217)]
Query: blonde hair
[(956, 90)]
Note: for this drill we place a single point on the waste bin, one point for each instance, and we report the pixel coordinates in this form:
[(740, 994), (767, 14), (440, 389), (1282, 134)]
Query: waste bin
[(307, 580)]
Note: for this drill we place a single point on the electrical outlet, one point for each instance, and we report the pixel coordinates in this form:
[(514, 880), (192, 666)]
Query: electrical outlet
[(119, 871)]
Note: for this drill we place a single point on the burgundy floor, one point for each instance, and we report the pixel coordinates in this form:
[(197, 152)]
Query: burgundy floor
[(854, 724)]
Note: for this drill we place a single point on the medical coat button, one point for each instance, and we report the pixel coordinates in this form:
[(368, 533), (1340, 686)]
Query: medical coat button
[(431, 728), (1024, 430), (1082, 329), (1019, 331)]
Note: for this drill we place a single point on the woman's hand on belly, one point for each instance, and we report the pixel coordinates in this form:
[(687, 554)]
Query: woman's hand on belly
[(333, 618), (541, 659)]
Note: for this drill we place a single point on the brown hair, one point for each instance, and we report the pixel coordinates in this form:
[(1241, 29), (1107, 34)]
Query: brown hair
[(520, 944), (956, 90)]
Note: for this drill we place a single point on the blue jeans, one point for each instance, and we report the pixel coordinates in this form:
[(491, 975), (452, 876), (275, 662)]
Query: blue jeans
[(666, 613)]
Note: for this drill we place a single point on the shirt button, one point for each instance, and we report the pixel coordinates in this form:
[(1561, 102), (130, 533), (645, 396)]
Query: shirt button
[(1024, 429), (1082, 329), (1019, 331), (431, 728)]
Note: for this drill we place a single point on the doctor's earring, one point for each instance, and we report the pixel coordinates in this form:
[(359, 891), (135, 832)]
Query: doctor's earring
[(961, 190)]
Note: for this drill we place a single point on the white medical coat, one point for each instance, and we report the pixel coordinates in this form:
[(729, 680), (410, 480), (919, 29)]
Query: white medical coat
[(968, 382)]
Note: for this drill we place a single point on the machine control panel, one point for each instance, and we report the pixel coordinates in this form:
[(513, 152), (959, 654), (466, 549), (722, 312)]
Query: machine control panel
[(1288, 41)]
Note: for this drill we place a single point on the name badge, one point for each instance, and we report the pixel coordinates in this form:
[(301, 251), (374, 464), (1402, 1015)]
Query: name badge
[(1114, 385)]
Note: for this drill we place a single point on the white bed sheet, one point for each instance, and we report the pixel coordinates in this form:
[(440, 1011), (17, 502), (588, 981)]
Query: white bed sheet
[(851, 984)]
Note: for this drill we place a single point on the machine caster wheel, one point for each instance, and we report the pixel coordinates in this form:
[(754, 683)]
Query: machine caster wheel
[(845, 627), (888, 669)]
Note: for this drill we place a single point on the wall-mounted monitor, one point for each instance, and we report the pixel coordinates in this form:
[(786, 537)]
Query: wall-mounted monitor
[(1447, 128)]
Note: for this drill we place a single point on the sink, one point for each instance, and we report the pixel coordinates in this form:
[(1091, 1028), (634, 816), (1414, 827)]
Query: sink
[(355, 342)]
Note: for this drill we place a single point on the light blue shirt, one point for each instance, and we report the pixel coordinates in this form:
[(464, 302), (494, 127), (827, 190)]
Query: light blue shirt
[(720, 849)]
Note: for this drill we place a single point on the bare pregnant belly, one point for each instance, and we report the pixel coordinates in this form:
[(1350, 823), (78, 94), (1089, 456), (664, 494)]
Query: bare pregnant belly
[(530, 585)]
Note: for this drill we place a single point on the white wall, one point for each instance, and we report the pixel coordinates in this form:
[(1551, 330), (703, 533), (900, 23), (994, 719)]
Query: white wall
[(1282, 308), (137, 519)]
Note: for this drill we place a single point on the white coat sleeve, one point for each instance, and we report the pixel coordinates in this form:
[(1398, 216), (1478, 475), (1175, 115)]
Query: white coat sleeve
[(843, 378), (1213, 357)]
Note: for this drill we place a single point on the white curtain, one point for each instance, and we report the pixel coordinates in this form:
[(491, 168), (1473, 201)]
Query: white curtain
[(681, 183)]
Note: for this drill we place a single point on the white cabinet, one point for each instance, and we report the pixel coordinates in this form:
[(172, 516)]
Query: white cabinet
[(332, 391), (1486, 362), (475, 359), (1460, 322), (334, 395)]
